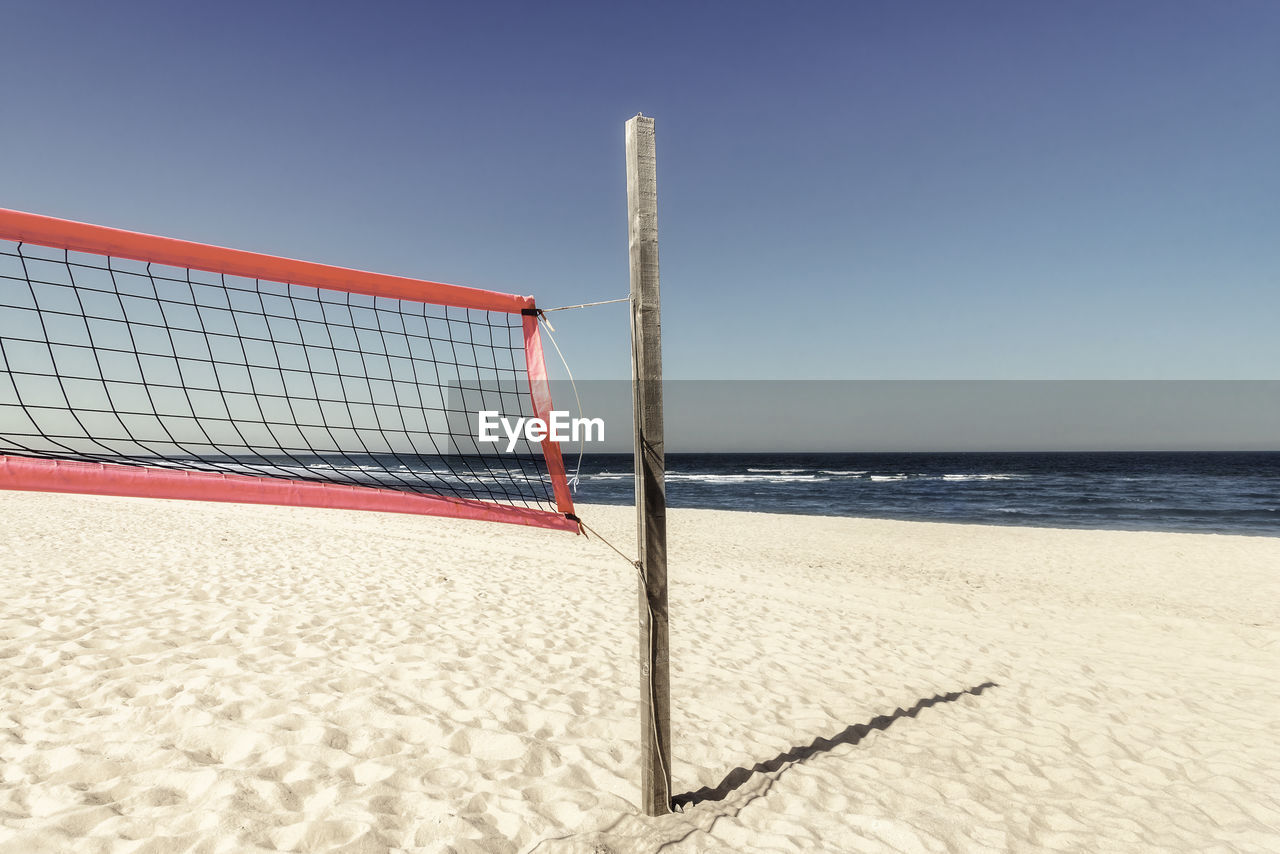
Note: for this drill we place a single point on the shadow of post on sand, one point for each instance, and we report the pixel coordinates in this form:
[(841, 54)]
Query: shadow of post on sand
[(637, 832), (851, 735)]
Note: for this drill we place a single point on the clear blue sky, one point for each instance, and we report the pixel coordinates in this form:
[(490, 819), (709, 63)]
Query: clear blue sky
[(1086, 190)]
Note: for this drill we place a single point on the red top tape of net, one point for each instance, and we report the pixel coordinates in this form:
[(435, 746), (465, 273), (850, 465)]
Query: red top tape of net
[(100, 240)]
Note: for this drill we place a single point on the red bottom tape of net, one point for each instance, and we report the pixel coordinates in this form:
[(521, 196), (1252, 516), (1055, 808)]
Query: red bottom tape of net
[(44, 475)]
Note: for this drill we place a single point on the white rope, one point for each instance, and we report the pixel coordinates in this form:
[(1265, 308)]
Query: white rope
[(653, 677), (639, 568), (588, 304), (582, 446)]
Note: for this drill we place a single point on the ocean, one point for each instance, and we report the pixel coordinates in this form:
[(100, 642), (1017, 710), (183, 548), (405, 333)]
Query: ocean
[(1222, 493)]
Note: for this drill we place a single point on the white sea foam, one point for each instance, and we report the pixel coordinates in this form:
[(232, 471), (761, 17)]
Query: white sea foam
[(843, 472), (746, 478), (695, 477), (883, 477), (980, 477)]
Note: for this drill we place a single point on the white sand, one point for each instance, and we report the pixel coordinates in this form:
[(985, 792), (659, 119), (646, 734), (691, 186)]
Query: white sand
[(201, 677)]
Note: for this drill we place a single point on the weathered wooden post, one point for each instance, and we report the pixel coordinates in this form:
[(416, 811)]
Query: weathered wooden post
[(651, 493)]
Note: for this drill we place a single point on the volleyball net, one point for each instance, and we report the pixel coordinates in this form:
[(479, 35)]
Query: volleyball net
[(139, 365)]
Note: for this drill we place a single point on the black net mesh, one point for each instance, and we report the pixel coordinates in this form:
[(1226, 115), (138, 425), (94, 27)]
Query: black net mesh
[(110, 360)]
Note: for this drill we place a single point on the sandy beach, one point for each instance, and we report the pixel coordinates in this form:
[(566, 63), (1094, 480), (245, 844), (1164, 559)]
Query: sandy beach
[(183, 677)]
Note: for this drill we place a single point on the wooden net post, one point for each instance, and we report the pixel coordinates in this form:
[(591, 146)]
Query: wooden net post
[(651, 501)]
